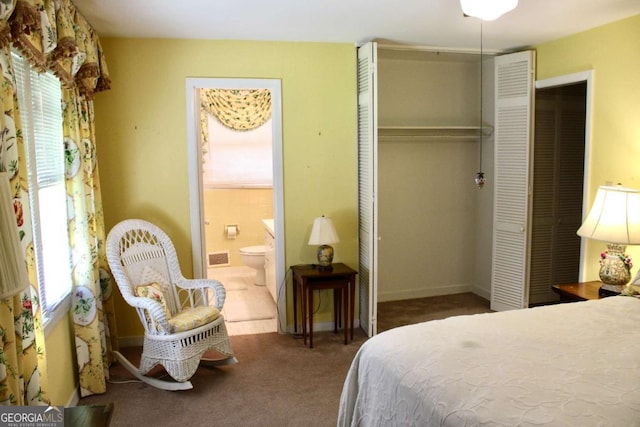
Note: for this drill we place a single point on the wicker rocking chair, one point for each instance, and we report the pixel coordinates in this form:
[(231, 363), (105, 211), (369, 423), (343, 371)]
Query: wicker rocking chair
[(181, 317)]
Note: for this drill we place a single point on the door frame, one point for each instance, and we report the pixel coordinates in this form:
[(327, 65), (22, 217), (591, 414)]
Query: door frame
[(196, 204), (564, 80)]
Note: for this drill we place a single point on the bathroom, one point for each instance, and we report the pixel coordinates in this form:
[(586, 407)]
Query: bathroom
[(239, 206)]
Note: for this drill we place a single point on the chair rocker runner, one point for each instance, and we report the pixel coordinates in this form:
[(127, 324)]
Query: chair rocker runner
[(181, 317)]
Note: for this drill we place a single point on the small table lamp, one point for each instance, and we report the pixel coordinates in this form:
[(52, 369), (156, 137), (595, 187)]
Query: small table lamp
[(324, 234), (614, 218)]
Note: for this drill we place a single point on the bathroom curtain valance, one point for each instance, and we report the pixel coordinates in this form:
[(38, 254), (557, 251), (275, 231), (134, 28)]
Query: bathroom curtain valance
[(237, 109)]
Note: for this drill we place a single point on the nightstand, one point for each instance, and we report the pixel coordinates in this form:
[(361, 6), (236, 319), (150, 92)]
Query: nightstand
[(578, 291), (340, 278)]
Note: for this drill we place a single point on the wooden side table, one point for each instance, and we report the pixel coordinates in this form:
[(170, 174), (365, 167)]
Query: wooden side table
[(340, 278), (578, 291)]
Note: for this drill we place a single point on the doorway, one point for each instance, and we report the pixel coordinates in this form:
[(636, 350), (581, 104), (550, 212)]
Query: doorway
[(561, 161), (558, 178), (229, 228)]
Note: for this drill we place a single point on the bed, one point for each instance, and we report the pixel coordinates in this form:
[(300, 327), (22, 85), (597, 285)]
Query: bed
[(574, 364)]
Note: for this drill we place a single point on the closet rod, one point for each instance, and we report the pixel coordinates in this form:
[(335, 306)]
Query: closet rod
[(391, 138)]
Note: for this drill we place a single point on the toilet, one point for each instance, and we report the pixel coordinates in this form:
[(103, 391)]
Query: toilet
[(253, 256)]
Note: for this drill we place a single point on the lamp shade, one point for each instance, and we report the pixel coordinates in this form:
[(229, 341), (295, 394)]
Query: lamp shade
[(13, 269), (614, 216), (487, 10), (323, 232)]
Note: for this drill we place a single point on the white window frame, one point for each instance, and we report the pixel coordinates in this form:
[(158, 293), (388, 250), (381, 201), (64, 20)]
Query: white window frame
[(42, 121)]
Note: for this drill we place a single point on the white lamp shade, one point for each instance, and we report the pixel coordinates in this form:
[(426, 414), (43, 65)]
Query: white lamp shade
[(614, 216), (13, 269), (487, 10), (323, 232)]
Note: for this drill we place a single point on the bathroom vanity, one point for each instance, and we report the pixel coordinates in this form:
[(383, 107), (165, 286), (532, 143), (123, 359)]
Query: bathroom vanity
[(270, 256)]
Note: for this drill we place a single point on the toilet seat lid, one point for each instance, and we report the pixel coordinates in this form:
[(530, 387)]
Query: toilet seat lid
[(253, 250)]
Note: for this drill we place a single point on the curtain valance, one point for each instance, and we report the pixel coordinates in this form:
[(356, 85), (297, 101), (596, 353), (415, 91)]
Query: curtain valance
[(238, 109), (54, 36)]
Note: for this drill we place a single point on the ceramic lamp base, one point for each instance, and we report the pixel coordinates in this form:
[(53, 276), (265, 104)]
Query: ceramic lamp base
[(614, 272), (325, 256)]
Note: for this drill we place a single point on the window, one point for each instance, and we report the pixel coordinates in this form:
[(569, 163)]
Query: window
[(238, 159), (40, 101)]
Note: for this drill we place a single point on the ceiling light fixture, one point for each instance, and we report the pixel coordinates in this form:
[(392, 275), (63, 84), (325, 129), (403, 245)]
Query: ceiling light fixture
[(487, 10)]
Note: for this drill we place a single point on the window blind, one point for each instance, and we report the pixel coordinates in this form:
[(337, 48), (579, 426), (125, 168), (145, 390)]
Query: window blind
[(39, 98), (45, 96)]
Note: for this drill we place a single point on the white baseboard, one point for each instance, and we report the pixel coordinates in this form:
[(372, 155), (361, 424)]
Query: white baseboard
[(486, 294), (423, 293), (321, 327)]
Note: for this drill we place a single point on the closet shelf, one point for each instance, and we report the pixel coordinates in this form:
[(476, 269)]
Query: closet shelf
[(434, 131)]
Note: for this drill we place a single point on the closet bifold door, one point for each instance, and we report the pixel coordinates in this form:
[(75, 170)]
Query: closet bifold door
[(558, 180), (514, 97), (367, 187)]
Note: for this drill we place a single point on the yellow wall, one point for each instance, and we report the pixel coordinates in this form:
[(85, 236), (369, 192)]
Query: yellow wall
[(62, 374), (246, 208), (142, 148), (612, 52)]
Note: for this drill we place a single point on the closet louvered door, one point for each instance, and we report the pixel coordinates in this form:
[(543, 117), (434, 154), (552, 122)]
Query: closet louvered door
[(558, 176), (571, 141), (367, 187), (543, 222), (514, 87)]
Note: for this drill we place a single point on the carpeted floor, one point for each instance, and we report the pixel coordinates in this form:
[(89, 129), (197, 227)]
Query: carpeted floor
[(277, 382), (407, 312)]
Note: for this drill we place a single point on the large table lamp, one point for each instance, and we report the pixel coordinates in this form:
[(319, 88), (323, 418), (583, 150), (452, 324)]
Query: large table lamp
[(323, 233), (614, 219)]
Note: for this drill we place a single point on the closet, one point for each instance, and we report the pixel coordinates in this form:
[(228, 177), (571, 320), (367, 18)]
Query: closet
[(424, 227), (419, 148)]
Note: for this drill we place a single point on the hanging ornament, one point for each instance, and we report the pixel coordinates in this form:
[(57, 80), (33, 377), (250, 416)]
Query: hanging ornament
[(480, 179)]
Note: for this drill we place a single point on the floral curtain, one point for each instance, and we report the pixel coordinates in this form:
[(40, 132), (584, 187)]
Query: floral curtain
[(22, 354), (54, 36), (92, 308), (237, 109)]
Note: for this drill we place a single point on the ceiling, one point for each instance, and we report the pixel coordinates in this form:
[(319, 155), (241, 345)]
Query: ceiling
[(425, 23)]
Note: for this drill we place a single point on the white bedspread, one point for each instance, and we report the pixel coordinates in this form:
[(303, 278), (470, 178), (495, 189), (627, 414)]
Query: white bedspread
[(572, 364)]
